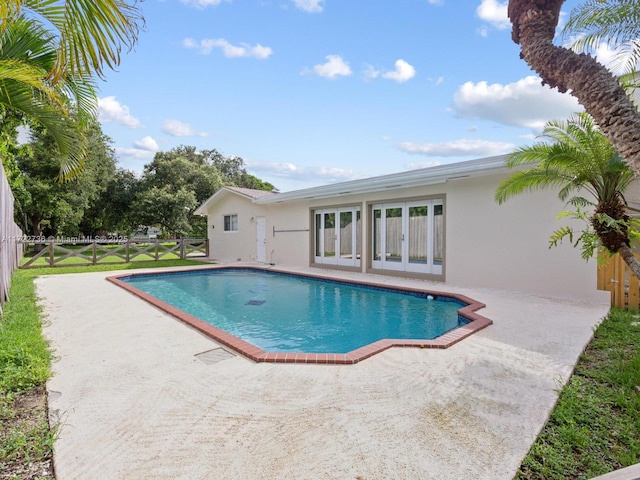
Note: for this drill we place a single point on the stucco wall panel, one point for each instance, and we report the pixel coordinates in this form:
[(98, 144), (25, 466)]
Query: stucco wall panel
[(506, 246)]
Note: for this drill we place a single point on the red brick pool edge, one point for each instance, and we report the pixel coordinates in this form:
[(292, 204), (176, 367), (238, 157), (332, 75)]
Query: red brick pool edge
[(476, 323)]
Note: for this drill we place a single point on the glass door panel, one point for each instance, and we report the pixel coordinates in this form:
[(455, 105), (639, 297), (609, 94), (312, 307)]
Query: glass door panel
[(329, 251), (438, 238), (318, 237), (377, 235), (358, 235), (393, 238), (418, 217), (346, 236)]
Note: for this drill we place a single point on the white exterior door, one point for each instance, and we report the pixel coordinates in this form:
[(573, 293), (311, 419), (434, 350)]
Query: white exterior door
[(409, 236), (261, 239)]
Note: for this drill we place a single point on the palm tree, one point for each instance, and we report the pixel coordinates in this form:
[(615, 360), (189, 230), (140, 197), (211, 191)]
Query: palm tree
[(598, 90), (579, 158), (49, 52), (27, 55), (614, 22), (90, 33)]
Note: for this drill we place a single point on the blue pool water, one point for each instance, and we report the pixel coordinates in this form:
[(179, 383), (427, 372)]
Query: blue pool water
[(289, 313)]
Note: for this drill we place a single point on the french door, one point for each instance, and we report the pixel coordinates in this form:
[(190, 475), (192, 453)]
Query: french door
[(408, 236), (337, 235)]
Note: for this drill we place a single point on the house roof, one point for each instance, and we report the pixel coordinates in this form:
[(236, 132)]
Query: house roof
[(249, 193), (411, 178)]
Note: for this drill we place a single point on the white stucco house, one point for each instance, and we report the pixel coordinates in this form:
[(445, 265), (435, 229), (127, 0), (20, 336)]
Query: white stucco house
[(439, 223)]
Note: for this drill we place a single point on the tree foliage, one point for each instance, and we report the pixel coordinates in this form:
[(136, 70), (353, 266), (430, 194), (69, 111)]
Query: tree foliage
[(49, 52), (55, 208), (612, 22), (577, 159), (182, 179), (596, 88)]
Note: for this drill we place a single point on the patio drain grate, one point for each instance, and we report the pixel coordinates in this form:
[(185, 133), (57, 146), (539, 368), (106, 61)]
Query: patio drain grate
[(214, 356)]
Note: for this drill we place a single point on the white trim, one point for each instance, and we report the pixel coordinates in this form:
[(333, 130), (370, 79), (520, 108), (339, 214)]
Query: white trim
[(411, 178)]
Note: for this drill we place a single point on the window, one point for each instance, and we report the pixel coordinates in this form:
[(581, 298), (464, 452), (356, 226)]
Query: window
[(337, 236), (231, 223)]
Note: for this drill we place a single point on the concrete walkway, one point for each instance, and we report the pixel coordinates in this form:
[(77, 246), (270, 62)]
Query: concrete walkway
[(134, 400)]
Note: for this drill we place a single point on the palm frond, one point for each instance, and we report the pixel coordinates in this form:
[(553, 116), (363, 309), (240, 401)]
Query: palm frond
[(91, 33), (613, 22), (529, 180)]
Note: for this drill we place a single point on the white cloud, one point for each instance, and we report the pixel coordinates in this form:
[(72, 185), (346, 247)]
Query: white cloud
[(206, 45), (311, 6), (289, 171), (370, 73), (176, 128), (334, 67), (203, 3), (616, 60), (403, 72), (110, 110), (435, 2), (458, 148), (133, 154), (525, 103), (146, 143), (494, 13)]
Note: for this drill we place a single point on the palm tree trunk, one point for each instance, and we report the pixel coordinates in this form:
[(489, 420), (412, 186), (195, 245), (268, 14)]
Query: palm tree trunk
[(626, 252), (598, 90)]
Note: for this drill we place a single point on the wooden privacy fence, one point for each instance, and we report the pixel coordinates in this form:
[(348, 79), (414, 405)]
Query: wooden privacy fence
[(616, 277), (64, 253), (10, 235)]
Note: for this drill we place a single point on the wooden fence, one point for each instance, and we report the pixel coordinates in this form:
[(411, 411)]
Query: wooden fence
[(615, 276), (10, 235), (77, 252)]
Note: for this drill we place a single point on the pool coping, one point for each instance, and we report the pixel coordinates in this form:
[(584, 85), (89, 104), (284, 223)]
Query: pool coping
[(476, 321)]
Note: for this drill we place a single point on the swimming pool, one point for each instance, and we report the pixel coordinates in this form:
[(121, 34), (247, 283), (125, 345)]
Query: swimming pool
[(276, 316)]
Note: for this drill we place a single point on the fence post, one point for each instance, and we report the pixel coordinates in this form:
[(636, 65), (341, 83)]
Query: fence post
[(157, 246), (51, 256), (182, 249), (126, 250), (94, 252)]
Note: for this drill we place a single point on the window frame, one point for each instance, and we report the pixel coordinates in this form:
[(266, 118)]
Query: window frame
[(231, 224)]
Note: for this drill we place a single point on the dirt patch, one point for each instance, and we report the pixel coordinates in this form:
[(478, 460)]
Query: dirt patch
[(25, 447)]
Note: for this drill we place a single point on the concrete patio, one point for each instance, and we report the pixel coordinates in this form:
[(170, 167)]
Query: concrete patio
[(135, 400)]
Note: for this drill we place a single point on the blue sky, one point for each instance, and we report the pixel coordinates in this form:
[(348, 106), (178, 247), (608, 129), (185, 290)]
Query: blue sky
[(310, 92)]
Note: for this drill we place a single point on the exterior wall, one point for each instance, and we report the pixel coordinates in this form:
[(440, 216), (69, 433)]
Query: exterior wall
[(486, 244), (234, 246), (506, 246), (288, 233)]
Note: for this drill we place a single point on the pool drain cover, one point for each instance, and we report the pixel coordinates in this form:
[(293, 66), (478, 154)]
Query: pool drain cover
[(255, 302), (214, 356)]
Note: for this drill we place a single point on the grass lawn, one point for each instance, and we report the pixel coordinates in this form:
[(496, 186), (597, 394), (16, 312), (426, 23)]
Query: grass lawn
[(594, 428), (25, 365)]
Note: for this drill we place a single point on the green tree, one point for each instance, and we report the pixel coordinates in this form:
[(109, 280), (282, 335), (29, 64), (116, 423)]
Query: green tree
[(578, 158), (182, 171), (167, 207), (55, 208), (113, 211), (598, 90)]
